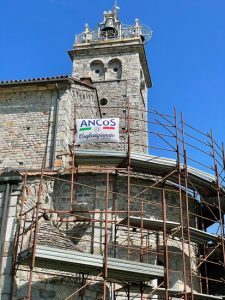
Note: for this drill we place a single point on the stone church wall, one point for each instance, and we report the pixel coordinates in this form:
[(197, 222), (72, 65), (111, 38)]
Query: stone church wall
[(28, 120), (89, 237)]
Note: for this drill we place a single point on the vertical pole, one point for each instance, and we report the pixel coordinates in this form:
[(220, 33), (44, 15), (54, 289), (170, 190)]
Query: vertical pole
[(72, 150), (165, 245), (106, 238), (114, 242), (72, 179), (142, 225), (206, 271), (128, 176), (218, 196), (147, 247), (23, 231), (204, 253), (181, 207), (115, 207), (223, 154), (142, 292), (187, 207), (128, 291), (36, 229)]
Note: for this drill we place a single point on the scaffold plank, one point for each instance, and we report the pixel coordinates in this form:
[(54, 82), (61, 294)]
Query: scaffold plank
[(173, 228), (80, 262), (148, 289), (154, 165)]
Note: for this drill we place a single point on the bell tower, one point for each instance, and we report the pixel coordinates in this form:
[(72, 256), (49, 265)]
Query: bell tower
[(113, 55)]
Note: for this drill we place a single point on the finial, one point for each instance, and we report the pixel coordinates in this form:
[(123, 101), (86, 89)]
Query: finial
[(137, 27), (137, 22), (86, 28)]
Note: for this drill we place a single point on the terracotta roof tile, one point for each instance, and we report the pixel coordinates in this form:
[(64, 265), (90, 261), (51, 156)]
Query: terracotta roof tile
[(44, 80)]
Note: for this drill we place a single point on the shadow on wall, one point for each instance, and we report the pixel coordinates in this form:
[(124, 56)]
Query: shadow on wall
[(114, 69), (101, 72), (57, 288), (97, 70), (176, 278)]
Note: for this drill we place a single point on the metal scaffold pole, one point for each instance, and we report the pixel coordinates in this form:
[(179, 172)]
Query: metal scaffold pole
[(128, 174), (218, 192), (165, 245), (18, 232), (187, 207), (180, 205), (106, 238), (73, 156), (38, 204)]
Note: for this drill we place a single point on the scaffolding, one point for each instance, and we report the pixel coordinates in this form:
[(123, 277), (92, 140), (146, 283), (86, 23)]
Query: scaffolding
[(199, 232)]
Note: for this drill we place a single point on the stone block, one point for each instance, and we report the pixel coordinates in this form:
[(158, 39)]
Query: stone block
[(5, 284), (14, 200), (10, 229), (12, 211), (58, 163), (6, 265), (47, 293), (4, 296)]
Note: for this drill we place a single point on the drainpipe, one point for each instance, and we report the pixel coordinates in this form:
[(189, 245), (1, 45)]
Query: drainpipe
[(55, 127), (4, 221), (99, 106), (8, 180)]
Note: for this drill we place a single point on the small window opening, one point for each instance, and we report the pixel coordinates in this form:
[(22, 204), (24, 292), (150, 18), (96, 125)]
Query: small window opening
[(115, 70), (97, 71), (103, 101), (20, 163)]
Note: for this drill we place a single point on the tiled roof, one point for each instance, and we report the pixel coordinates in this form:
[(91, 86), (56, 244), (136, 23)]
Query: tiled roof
[(52, 79), (36, 79)]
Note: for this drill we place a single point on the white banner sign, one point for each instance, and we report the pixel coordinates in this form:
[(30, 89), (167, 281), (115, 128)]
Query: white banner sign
[(97, 131)]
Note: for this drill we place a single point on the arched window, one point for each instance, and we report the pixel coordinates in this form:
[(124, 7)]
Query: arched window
[(97, 70), (115, 69)]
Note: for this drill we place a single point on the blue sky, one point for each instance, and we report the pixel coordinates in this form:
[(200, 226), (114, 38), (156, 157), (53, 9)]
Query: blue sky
[(186, 53)]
